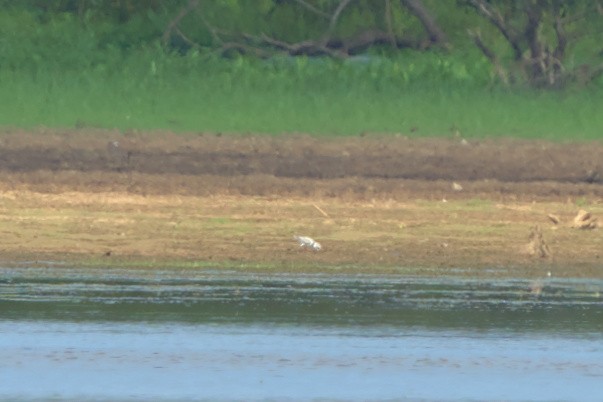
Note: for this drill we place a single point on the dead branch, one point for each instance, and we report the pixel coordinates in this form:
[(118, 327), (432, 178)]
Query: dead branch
[(308, 47), (490, 55), (418, 9), (495, 17), (477, 39), (339, 48), (365, 39), (360, 42), (190, 6), (321, 210)]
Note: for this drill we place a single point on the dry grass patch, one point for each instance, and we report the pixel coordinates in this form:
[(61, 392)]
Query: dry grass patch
[(258, 230)]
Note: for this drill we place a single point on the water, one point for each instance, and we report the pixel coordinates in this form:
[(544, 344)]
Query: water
[(176, 335)]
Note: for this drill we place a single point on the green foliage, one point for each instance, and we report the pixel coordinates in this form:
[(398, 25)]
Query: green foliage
[(81, 68), (417, 94)]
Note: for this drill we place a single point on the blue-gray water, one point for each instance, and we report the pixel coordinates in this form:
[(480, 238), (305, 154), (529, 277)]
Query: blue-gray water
[(175, 335)]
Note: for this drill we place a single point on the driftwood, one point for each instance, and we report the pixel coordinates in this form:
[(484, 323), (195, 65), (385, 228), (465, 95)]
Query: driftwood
[(585, 220)]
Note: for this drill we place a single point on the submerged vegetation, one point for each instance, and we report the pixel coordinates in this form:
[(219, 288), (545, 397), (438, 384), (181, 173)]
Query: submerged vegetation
[(68, 66)]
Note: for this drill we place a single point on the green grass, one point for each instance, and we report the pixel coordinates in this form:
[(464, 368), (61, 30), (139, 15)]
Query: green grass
[(417, 95)]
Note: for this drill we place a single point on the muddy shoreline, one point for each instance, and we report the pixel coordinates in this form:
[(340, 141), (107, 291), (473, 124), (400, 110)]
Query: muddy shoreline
[(376, 203)]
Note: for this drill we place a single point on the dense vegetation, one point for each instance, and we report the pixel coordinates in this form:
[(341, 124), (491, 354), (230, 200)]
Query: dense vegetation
[(451, 67)]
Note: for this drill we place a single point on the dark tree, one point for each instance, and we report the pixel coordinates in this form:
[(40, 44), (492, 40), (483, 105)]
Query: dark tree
[(539, 34)]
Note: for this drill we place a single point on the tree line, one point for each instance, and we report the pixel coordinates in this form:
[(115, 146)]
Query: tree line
[(543, 43)]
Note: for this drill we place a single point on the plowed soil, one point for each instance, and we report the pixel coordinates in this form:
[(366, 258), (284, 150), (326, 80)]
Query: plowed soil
[(378, 202)]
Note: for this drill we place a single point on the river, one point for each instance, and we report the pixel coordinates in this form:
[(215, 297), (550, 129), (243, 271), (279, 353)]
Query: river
[(216, 335)]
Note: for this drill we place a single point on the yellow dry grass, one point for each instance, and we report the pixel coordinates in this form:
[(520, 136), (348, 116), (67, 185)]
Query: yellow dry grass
[(228, 230)]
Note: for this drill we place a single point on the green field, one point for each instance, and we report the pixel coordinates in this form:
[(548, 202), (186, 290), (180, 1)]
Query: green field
[(324, 97)]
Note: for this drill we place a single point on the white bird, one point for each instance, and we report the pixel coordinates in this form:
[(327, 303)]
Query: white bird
[(308, 242)]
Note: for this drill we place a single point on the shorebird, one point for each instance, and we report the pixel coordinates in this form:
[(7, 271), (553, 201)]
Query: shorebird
[(308, 242)]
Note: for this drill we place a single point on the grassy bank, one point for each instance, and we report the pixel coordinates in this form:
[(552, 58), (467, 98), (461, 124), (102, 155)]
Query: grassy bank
[(415, 94)]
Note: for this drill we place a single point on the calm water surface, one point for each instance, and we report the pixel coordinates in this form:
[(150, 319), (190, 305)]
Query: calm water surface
[(175, 335)]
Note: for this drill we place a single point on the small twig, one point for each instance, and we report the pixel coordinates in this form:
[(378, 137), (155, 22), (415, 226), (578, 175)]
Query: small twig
[(320, 210)]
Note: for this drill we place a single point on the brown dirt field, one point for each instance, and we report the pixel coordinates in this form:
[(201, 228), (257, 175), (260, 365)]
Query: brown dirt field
[(376, 203)]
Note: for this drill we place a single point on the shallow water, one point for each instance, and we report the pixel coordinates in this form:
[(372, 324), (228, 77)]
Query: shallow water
[(91, 334)]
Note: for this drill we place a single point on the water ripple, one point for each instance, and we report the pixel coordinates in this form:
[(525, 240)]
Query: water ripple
[(549, 304)]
